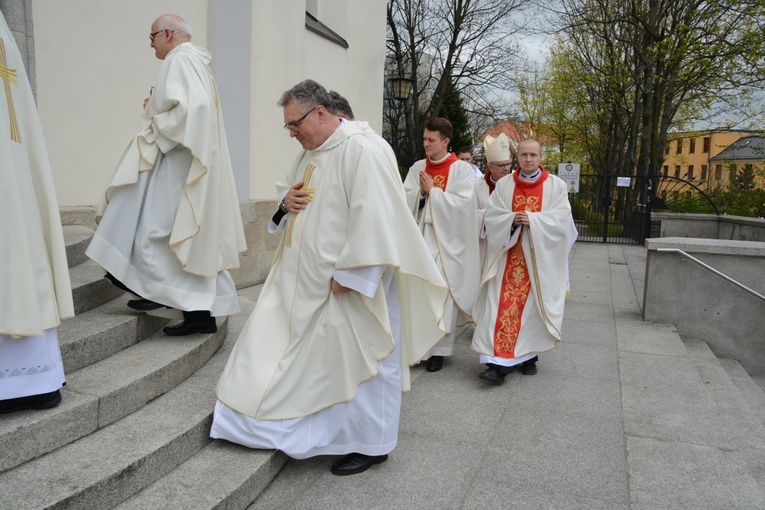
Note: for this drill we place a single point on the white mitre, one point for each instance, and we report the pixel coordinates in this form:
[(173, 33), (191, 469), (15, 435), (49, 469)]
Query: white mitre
[(497, 149)]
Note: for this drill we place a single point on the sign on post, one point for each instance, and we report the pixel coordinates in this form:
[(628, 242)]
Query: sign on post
[(569, 172)]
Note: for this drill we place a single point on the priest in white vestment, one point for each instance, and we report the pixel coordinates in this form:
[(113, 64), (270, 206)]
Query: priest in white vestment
[(35, 293), (351, 301), (440, 192), (170, 227), (499, 163), (529, 232)]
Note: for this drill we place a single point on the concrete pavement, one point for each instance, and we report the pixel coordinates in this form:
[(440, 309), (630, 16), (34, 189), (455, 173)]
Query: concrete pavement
[(621, 415)]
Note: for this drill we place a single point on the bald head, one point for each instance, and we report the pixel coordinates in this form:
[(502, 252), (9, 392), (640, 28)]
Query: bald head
[(168, 31)]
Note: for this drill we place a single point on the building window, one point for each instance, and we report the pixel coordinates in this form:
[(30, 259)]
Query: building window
[(679, 146), (677, 171), (692, 147), (703, 172), (690, 172), (733, 171), (666, 170), (706, 144), (666, 148), (718, 172)]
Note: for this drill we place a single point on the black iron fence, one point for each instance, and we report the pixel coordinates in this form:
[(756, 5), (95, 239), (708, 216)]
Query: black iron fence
[(611, 209)]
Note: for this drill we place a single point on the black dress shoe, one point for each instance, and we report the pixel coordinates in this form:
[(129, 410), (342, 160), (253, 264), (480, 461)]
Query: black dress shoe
[(493, 374), (118, 283), (191, 326), (143, 305), (41, 401), (435, 363), (530, 366), (354, 463)]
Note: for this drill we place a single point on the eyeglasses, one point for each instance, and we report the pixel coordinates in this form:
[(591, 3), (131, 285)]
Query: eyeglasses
[(293, 126), (152, 36), (504, 166)]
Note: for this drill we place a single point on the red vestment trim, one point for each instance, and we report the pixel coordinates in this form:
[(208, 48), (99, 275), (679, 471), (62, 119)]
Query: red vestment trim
[(516, 283), (440, 171), (490, 182)]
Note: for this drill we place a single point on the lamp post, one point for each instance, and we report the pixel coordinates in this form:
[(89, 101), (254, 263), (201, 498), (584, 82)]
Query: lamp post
[(402, 87)]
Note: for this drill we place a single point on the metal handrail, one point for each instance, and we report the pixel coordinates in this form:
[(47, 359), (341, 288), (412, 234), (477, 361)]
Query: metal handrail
[(715, 271)]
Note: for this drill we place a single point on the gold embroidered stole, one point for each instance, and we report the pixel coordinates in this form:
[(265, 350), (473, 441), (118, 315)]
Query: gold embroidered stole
[(8, 76), (516, 283), (307, 173)]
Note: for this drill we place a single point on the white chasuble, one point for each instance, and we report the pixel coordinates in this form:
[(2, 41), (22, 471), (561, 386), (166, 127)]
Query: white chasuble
[(545, 244), (305, 349), (35, 292), (449, 223), (184, 111)]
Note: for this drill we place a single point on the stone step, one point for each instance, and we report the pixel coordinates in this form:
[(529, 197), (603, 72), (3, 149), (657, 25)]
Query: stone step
[(96, 334), (112, 464), (76, 238), (105, 392), (241, 474), (89, 287)]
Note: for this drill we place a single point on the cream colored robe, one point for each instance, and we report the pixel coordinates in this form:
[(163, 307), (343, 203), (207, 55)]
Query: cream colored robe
[(546, 245), (207, 235), (35, 293), (449, 224), (305, 349)]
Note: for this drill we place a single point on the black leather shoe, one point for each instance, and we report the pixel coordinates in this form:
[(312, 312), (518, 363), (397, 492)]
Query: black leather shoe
[(530, 366), (435, 363), (189, 327), (143, 305), (41, 401), (355, 463), (494, 374)]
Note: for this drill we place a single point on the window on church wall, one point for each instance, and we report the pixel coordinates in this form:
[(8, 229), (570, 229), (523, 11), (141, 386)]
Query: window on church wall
[(733, 171), (690, 172), (666, 170), (677, 171), (718, 172), (703, 172), (666, 149), (692, 146), (679, 146), (706, 144)]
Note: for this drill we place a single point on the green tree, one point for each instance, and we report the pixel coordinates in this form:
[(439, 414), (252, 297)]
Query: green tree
[(454, 110)]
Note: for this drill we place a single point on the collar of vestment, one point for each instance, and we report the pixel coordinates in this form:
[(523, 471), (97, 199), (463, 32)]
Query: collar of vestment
[(536, 180), (343, 131), (439, 171), (490, 182)]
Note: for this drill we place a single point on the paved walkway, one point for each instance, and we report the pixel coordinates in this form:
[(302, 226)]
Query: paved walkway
[(616, 418)]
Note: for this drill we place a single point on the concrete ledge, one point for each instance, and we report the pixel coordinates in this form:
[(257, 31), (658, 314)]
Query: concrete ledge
[(710, 226), (702, 305), (89, 288)]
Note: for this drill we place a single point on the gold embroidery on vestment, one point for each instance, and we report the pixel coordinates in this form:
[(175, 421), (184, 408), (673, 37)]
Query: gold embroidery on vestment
[(8, 76), (307, 173)]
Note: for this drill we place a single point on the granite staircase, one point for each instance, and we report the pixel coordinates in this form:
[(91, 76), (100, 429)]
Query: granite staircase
[(132, 428)]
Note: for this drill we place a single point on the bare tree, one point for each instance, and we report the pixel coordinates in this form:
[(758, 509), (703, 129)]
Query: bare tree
[(470, 42)]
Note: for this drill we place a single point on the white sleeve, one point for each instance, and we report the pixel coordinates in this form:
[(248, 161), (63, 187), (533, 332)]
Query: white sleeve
[(363, 280)]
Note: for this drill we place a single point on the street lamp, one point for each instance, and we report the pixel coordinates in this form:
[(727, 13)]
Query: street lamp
[(402, 87)]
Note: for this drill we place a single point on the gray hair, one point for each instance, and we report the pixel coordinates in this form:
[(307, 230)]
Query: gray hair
[(340, 106), (175, 23), (307, 93)]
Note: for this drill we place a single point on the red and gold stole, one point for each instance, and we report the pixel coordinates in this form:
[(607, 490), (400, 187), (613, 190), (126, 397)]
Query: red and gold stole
[(440, 171), (516, 284)]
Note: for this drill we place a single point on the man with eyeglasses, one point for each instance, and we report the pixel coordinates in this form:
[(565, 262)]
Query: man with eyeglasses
[(169, 222), (529, 232), (320, 366), (440, 192), (499, 163)]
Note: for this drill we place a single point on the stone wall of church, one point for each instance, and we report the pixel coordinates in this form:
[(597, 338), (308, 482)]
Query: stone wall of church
[(18, 15)]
